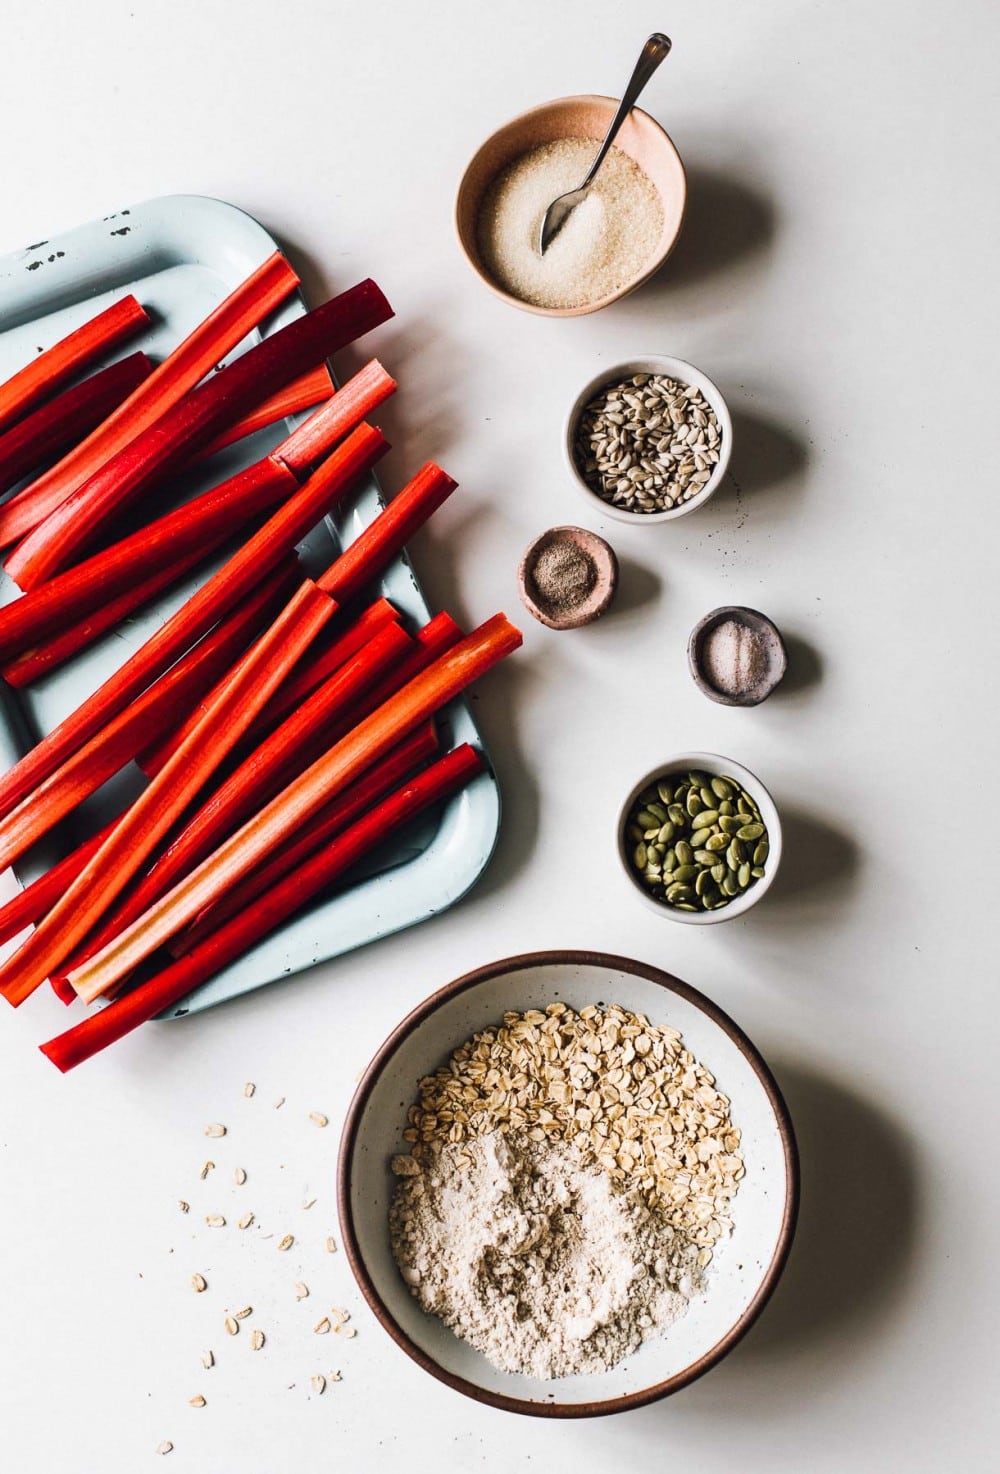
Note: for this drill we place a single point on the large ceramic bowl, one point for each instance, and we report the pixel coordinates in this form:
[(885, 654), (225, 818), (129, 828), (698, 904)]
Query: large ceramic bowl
[(587, 116), (745, 1268)]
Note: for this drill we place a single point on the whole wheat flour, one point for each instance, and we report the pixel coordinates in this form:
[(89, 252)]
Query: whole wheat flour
[(533, 1255)]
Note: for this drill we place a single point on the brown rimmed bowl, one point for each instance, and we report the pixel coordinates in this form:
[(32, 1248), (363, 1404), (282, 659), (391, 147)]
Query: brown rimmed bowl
[(745, 1268), (586, 116)]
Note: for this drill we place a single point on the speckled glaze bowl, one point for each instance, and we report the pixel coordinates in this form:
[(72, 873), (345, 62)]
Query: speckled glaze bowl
[(586, 116), (772, 643), (597, 601), (745, 1268)]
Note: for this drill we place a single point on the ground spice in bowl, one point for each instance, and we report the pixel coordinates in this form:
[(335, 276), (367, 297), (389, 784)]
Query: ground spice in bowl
[(737, 656), (568, 577)]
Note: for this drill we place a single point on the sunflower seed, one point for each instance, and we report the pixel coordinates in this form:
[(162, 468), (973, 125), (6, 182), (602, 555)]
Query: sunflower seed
[(215, 1220), (165, 1447), (208, 1360), (196, 1401), (215, 1129), (208, 1167), (257, 1339), (286, 1242), (301, 1290), (318, 1118), (322, 1327), (330, 1245), (184, 1207), (245, 1221), (199, 1283), (232, 1326), (318, 1384), (242, 1314)]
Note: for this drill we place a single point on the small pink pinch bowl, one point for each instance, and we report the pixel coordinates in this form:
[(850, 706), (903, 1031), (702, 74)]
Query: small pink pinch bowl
[(600, 596), (586, 116)]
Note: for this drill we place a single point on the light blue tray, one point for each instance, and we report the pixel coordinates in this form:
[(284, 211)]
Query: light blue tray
[(180, 255)]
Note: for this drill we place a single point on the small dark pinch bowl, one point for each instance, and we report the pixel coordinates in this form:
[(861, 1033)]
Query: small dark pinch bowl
[(745, 1267), (774, 645), (600, 595)]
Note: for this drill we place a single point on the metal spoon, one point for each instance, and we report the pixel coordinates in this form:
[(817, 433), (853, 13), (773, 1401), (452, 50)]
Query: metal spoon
[(555, 217)]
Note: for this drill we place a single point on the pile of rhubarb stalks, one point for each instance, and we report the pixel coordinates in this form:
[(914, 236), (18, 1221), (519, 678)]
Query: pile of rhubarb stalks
[(285, 724)]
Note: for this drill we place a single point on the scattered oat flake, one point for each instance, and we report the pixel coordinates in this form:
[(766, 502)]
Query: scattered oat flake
[(165, 1447), (286, 1242), (215, 1220), (208, 1167), (331, 1244), (196, 1401), (232, 1326), (215, 1128), (318, 1118), (301, 1290), (242, 1314), (318, 1384), (339, 1316), (334, 1377), (349, 1331), (257, 1340), (208, 1360), (245, 1221), (322, 1328), (184, 1207), (199, 1283), (249, 1089), (239, 1176)]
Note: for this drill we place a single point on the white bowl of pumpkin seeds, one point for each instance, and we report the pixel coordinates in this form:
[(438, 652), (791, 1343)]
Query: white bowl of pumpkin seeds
[(648, 440), (699, 839)]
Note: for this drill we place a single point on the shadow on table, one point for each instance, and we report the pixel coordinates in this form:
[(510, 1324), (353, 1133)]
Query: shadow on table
[(818, 860), (726, 224), (850, 1265)]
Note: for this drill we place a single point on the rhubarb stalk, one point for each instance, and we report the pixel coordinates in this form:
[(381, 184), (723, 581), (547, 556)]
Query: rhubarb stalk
[(189, 425), (179, 372), (148, 819), (303, 393), (46, 373), (436, 783), (359, 398), (63, 421), (273, 825), (386, 536), (231, 583)]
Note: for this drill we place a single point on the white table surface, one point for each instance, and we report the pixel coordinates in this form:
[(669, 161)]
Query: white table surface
[(835, 278)]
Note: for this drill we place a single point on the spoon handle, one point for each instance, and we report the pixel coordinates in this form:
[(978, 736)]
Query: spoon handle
[(653, 52)]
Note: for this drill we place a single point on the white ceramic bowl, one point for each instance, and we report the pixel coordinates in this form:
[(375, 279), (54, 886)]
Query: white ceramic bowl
[(745, 1268), (709, 762), (675, 368)]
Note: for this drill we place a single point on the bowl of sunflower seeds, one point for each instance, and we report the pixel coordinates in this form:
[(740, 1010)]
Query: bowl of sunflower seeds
[(649, 440)]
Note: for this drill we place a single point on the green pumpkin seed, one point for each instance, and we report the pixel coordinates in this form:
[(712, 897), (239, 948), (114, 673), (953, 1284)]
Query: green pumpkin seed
[(665, 793), (704, 857), (639, 855), (743, 876), (707, 797), (677, 893), (703, 883), (669, 861), (677, 813), (686, 873), (684, 906), (700, 837), (667, 832), (750, 831), (708, 817), (693, 802), (726, 807), (761, 853), (684, 852), (648, 820), (757, 872), (700, 780), (721, 787), (719, 873), (717, 842), (730, 826), (730, 885), (658, 811), (651, 833)]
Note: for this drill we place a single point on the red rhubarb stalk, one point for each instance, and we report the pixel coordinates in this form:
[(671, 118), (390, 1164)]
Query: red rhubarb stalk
[(263, 774), (223, 591), (95, 762), (36, 663), (41, 895), (181, 432), (273, 825), (179, 372), (300, 684), (204, 523), (384, 538), (403, 760), (158, 807), (351, 404), (440, 781), (305, 392), (46, 373), (63, 421)]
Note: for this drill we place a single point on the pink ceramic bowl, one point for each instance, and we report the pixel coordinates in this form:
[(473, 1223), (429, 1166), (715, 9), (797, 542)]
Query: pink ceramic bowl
[(588, 116)]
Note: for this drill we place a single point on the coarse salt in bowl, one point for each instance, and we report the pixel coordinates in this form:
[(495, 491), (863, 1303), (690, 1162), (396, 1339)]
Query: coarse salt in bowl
[(683, 373), (745, 1267), (584, 118)]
